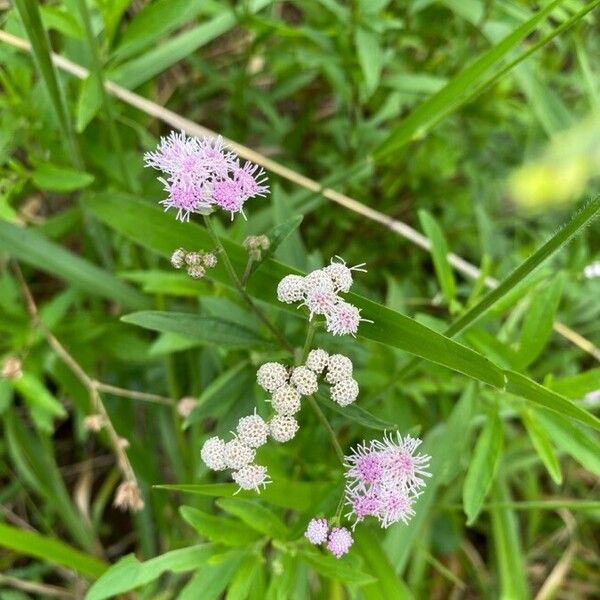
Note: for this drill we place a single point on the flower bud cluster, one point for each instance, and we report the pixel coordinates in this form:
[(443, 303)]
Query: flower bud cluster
[(319, 292), (238, 454), (338, 540), (256, 244), (195, 263)]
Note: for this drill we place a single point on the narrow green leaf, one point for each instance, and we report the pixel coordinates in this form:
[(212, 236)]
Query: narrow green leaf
[(438, 105), (211, 579), (29, 246), (218, 529), (370, 57), (297, 495), (577, 386), (139, 70), (356, 413), (208, 330), (89, 102), (521, 386), (541, 443), (255, 516), (347, 569), (128, 573), (60, 179), (439, 253), (52, 550), (508, 551), (537, 326), (482, 468)]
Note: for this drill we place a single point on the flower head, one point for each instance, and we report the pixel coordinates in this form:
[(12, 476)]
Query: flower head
[(344, 392), (341, 275), (129, 497), (283, 428), (202, 173), (291, 289), (271, 375), (339, 542), (213, 454), (344, 319), (316, 532), (252, 431), (237, 454), (251, 477)]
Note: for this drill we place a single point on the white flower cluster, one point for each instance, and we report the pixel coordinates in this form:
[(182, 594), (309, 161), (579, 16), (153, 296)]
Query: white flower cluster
[(195, 263), (319, 292), (238, 453), (286, 386), (592, 270)]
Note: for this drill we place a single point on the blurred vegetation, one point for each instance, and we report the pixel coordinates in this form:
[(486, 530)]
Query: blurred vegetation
[(379, 98)]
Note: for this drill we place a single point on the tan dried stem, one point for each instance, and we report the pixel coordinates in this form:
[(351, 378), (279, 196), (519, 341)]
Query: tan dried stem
[(89, 383)]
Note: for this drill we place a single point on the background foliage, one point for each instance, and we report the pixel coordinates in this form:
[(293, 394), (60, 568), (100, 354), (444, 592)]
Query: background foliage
[(422, 110)]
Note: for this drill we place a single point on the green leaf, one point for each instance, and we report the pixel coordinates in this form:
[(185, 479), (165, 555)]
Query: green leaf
[(346, 569), (521, 386), (208, 330), (577, 386), (297, 495), (439, 252), (211, 579), (459, 88), (255, 516), (32, 248), (539, 319), (370, 57), (60, 179), (152, 23), (156, 60), (356, 413), (52, 550), (277, 236), (42, 404), (128, 573), (243, 581), (89, 102), (542, 445), (218, 529), (388, 584), (582, 445), (482, 468), (508, 551)]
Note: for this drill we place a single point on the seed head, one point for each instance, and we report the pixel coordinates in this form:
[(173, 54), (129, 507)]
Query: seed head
[(339, 367), (344, 392), (213, 454), (237, 454), (251, 477), (304, 380), (283, 429), (339, 542), (286, 400), (129, 497), (316, 532), (271, 376), (252, 431)]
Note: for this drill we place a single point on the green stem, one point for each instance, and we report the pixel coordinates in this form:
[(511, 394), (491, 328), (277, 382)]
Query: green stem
[(321, 416), (240, 288), (247, 271), (96, 70)]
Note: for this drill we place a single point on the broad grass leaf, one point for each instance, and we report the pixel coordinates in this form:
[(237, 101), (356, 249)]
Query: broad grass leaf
[(30, 543), (29, 246), (576, 386), (483, 465), (128, 573), (541, 443), (208, 330), (89, 102), (538, 322), (347, 569), (254, 515), (218, 529), (57, 178), (439, 252)]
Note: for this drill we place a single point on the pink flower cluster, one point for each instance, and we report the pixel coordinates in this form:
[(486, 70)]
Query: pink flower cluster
[(339, 539), (202, 174), (384, 478)]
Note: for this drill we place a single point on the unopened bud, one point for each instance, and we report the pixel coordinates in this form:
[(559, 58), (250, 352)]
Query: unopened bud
[(12, 368)]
